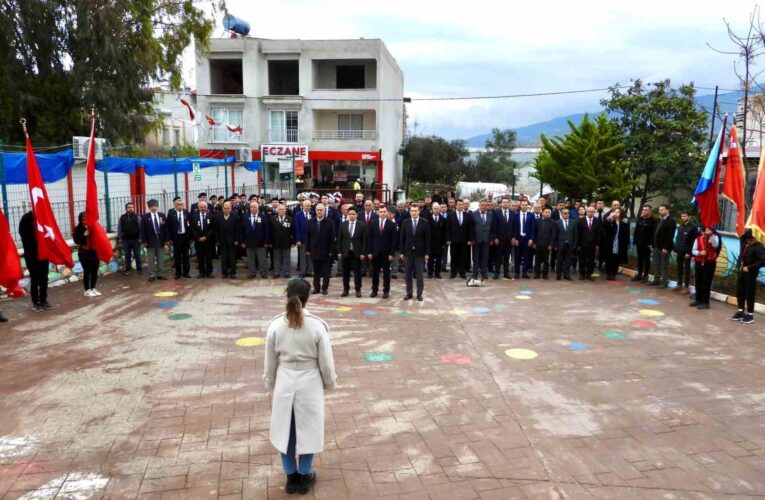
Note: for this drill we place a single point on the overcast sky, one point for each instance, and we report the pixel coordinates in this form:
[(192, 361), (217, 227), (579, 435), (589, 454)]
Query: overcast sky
[(488, 47)]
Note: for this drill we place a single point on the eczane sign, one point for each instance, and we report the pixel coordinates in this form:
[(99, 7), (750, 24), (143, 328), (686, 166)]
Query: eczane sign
[(272, 153)]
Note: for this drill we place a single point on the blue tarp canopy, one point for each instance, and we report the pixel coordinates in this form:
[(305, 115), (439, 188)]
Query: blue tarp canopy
[(55, 166)]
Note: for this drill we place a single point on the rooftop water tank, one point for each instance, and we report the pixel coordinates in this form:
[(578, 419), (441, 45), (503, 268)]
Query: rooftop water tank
[(238, 26)]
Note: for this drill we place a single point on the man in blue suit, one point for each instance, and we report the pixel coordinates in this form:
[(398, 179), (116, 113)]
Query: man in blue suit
[(256, 236), (525, 225), (504, 232), (301, 217), (382, 243), (320, 248), (154, 238), (414, 243), (482, 237)]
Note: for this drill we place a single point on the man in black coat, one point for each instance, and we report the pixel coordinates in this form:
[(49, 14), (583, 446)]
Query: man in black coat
[(202, 233), (663, 244), (256, 237), (457, 237), (543, 244), (129, 238), (437, 240), (414, 243), (351, 249), (504, 230), (645, 229), (320, 248), (178, 228), (154, 238), (38, 269), (687, 232), (482, 237), (588, 239), (564, 244), (227, 235), (282, 241), (382, 243), (751, 260)]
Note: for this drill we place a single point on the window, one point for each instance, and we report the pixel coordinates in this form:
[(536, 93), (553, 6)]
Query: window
[(283, 78), (350, 77), (226, 76), (350, 126), (176, 137), (223, 117), (166, 137), (284, 126)]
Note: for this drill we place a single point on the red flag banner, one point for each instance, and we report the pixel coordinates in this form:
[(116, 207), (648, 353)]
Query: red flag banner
[(97, 237), (10, 264), (733, 188), (51, 245), (757, 216)]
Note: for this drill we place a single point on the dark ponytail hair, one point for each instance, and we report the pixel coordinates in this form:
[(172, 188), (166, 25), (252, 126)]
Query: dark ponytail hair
[(298, 291)]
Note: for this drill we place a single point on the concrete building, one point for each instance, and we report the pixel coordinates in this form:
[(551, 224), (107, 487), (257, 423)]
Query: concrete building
[(337, 105)]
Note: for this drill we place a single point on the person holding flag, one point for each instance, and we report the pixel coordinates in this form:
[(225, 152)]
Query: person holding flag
[(10, 264), (98, 240), (87, 255)]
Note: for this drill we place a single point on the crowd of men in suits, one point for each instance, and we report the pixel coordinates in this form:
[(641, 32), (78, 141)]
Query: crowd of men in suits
[(512, 239)]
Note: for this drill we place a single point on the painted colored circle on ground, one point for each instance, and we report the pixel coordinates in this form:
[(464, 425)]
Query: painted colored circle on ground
[(378, 357), (523, 297), (458, 312), (179, 316), (500, 307), (455, 359), (521, 354), (250, 341), (480, 310), (403, 314), (166, 294), (614, 335), (635, 291), (344, 309), (651, 313), (578, 346), (370, 312), (527, 292), (642, 323), (596, 275), (652, 302), (167, 305)]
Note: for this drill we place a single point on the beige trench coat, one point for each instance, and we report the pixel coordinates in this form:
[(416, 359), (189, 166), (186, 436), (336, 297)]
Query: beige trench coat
[(298, 367)]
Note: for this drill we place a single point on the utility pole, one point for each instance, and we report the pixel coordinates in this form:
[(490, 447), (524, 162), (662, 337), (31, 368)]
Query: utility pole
[(714, 115)]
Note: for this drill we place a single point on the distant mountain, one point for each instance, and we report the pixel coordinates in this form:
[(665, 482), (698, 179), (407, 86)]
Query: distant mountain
[(528, 135)]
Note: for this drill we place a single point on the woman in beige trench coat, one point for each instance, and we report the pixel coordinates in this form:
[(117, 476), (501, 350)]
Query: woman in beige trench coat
[(298, 367)]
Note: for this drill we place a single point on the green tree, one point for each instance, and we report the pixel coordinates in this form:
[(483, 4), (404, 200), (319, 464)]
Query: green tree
[(59, 58), (434, 159), (665, 139), (587, 162), (495, 164)]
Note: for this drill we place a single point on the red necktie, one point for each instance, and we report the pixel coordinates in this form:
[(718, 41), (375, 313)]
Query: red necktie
[(382, 223), (589, 225)]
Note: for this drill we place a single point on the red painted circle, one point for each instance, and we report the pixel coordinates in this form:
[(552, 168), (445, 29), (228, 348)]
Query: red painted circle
[(455, 359), (642, 323)]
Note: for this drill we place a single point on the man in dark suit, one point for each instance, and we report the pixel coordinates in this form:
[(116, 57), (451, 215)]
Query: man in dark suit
[(227, 234), (178, 228), (482, 237), (202, 232), (437, 240), (504, 232), (523, 240), (564, 244), (544, 234), (600, 207), (282, 241), (301, 216), (588, 239), (154, 237), (414, 242), (256, 236), (320, 248), (457, 237), (664, 243), (382, 242), (351, 249), (38, 269), (645, 229)]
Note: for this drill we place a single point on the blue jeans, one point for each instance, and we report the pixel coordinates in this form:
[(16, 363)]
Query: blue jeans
[(304, 464), (132, 248)]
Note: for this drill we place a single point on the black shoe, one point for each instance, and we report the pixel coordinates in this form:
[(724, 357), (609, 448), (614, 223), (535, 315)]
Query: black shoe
[(161, 278), (305, 483), (694, 304), (748, 319), (292, 483), (582, 278), (637, 277), (567, 278), (419, 297), (408, 297), (702, 306), (526, 276), (373, 295), (463, 276), (495, 276), (3, 319), (210, 276), (315, 292), (558, 278), (438, 277), (177, 276), (338, 275), (739, 316), (37, 308), (232, 276), (344, 294), (152, 278), (452, 276), (545, 277), (252, 276), (309, 275), (590, 278), (46, 306), (430, 276), (324, 292), (358, 293), (386, 295)]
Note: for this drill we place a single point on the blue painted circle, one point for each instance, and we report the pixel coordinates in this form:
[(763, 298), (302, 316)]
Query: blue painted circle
[(167, 305), (652, 302), (370, 312), (526, 292), (480, 310), (578, 346)]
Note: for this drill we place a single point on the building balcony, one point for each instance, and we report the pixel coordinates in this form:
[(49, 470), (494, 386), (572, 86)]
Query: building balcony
[(283, 135), (345, 135)]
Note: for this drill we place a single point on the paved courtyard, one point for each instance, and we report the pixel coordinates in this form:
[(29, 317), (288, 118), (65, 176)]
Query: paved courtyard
[(522, 389)]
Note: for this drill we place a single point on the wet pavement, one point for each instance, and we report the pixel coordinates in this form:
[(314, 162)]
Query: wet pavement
[(519, 389)]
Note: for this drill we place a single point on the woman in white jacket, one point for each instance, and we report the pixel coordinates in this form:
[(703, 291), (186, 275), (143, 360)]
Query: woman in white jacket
[(298, 367)]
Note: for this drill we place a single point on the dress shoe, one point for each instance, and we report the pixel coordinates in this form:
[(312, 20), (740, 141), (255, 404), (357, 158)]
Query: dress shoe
[(637, 277), (408, 297), (386, 295), (358, 293), (546, 277), (702, 306), (3, 319), (452, 276), (419, 297), (46, 306), (292, 483), (567, 278), (495, 276), (177, 276), (344, 294), (152, 278), (526, 276), (315, 292), (306, 482), (507, 277), (438, 277), (161, 278), (558, 278), (430, 276), (463, 276), (694, 304), (232, 276), (324, 292), (373, 295)]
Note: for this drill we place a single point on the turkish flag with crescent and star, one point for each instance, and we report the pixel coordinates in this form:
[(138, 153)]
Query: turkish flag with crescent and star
[(97, 237), (51, 245)]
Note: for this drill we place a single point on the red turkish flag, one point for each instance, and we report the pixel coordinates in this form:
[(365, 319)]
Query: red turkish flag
[(51, 246), (10, 264), (97, 238)]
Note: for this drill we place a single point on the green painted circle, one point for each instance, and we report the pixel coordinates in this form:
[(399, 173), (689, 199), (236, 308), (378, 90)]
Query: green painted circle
[(378, 357), (403, 314), (179, 316), (614, 335)]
